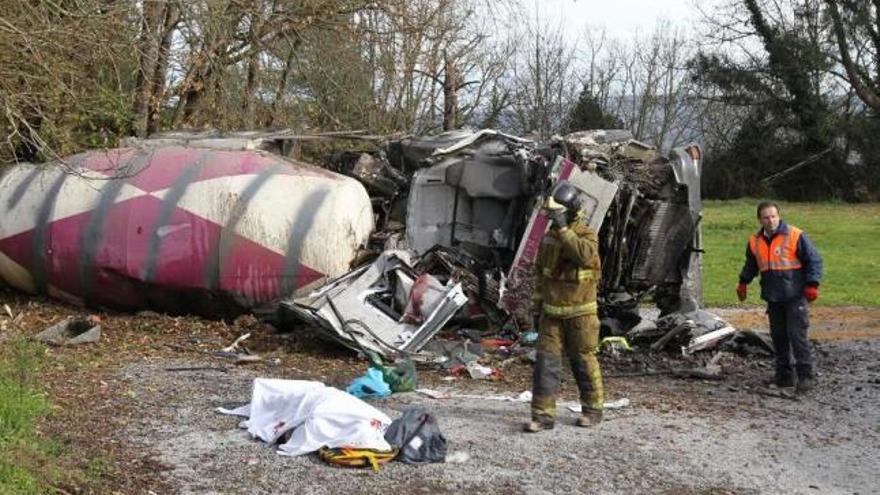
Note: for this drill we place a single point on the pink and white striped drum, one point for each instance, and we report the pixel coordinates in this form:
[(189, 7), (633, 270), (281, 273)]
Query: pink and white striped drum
[(178, 229)]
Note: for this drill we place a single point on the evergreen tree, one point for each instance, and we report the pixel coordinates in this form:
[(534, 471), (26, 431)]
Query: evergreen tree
[(589, 114)]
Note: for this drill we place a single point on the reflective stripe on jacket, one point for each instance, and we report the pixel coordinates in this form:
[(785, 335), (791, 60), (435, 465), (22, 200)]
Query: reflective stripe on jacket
[(567, 271)]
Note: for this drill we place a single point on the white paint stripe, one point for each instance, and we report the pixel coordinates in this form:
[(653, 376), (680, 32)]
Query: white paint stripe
[(343, 220), (79, 194)]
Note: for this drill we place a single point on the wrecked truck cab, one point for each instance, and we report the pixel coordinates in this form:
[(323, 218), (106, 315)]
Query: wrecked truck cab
[(650, 240), (473, 217), (213, 228)]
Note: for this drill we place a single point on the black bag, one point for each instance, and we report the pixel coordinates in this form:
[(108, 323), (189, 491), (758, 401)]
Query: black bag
[(417, 435)]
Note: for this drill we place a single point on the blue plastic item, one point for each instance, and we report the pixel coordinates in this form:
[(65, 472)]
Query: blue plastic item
[(369, 385)]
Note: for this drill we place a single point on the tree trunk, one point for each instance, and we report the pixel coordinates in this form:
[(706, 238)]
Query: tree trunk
[(157, 92), (247, 107), (148, 47), (282, 84)]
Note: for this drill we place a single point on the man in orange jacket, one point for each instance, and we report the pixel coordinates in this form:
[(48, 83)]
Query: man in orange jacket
[(791, 269)]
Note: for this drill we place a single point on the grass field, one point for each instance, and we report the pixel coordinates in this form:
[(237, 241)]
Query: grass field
[(847, 236), (21, 406)]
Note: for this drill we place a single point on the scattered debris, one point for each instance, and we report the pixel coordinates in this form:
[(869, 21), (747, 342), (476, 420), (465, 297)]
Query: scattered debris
[(436, 394), (238, 352), (417, 435), (709, 340), (614, 345), (198, 368), (400, 376), (750, 342), (458, 457), (451, 353), (370, 385), (356, 458), (72, 332), (479, 372), (234, 346), (247, 358), (614, 404)]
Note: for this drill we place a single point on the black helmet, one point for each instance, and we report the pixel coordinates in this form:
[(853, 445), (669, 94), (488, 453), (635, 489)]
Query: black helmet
[(567, 195)]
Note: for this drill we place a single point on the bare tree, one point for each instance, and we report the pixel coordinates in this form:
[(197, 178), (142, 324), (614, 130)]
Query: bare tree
[(857, 33), (645, 83), (542, 78), (63, 76), (158, 23)]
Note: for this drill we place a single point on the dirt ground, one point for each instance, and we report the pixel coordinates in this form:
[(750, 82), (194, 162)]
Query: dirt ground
[(136, 413)]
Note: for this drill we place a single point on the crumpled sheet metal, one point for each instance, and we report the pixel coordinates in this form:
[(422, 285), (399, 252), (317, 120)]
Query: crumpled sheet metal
[(473, 138), (694, 331), (342, 309)]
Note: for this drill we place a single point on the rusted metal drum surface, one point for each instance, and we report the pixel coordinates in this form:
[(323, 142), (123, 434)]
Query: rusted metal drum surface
[(178, 229)]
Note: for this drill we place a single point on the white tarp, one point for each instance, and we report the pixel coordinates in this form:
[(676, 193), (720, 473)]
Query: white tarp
[(317, 414)]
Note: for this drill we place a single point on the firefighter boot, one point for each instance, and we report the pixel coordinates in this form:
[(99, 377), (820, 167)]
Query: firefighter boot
[(534, 426), (590, 417)]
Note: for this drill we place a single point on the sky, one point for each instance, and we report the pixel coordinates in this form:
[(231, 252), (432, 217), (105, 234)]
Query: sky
[(621, 18)]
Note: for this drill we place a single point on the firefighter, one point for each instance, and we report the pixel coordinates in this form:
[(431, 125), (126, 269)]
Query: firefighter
[(567, 271), (790, 268)]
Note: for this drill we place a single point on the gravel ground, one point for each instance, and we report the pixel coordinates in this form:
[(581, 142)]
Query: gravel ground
[(677, 436), (135, 426)]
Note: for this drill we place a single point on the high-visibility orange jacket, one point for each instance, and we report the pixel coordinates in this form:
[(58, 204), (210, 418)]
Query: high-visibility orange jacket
[(786, 261)]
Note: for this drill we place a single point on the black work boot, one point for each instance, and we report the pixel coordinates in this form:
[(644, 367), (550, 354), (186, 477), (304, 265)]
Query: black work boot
[(784, 380)]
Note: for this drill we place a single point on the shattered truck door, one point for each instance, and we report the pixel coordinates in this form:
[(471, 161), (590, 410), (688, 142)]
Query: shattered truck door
[(596, 195), (178, 229), (471, 194)]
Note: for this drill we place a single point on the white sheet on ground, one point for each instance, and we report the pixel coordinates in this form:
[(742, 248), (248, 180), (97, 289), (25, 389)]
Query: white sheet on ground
[(319, 415)]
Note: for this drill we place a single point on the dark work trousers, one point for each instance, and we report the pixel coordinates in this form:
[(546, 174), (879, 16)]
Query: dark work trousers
[(788, 328)]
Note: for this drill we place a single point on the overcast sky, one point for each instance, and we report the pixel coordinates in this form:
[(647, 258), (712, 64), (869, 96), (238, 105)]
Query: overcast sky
[(621, 18)]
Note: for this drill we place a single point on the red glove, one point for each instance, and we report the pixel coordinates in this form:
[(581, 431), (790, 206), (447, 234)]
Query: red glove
[(741, 291), (811, 292)]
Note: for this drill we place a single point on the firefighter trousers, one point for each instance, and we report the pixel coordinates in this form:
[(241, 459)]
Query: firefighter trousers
[(578, 338)]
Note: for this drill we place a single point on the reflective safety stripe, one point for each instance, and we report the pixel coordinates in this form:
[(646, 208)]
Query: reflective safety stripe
[(583, 274), (780, 254), (579, 309)]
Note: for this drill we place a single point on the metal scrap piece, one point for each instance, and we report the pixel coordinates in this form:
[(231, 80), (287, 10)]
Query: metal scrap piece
[(350, 310)]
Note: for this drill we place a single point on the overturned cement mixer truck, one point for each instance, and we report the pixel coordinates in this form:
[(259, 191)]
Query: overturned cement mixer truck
[(219, 224)]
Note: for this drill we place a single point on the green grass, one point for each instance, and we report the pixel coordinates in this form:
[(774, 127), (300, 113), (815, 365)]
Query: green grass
[(847, 236), (21, 406)]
